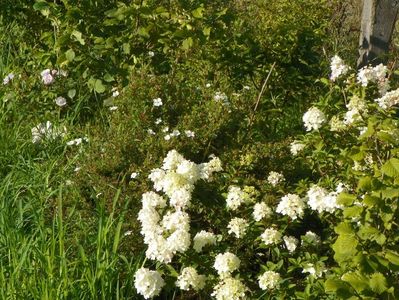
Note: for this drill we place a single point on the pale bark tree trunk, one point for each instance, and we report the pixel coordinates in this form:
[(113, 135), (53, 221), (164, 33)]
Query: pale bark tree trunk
[(378, 22)]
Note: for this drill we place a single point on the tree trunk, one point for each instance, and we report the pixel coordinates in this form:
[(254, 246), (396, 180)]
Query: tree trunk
[(378, 22)]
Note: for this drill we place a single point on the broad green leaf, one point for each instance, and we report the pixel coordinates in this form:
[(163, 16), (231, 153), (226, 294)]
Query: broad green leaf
[(187, 43), (71, 93), (344, 228), (99, 87), (391, 168), (70, 55), (108, 77), (365, 184), (356, 280), (393, 257), (371, 200), (353, 211), (126, 48), (78, 36), (345, 247), (378, 283), (198, 13), (207, 31), (332, 285), (346, 199)]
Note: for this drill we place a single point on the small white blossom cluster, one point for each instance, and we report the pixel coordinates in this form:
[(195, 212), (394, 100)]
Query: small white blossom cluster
[(148, 283), (271, 236), (377, 74), (202, 239), (226, 263), (238, 227), (60, 101), (46, 131), (261, 210), (320, 199), (314, 271), (275, 178), (296, 147), (338, 68), (77, 142), (291, 205), (8, 78), (389, 99), (291, 243), (269, 280), (222, 98), (190, 279), (157, 102), (48, 76), (236, 197), (311, 238), (313, 119), (356, 107), (230, 289)]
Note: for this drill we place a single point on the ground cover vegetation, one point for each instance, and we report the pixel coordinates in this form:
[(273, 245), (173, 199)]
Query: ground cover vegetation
[(194, 150)]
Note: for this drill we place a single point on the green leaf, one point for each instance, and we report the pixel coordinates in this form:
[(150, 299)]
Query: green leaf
[(391, 168), (364, 184), (346, 199), (70, 55), (207, 31), (393, 257), (371, 200), (353, 211), (198, 12), (343, 228), (345, 248), (378, 283), (108, 77), (71, 93), (78, 36), (187, 43), (332, 285), (356, 280), (99, 87), (126, 48)]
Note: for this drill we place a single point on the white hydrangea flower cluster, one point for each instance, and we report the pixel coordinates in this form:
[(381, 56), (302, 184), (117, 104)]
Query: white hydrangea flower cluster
[(320, 199), (190, 279), (237, 196), (222, 98), (46, 131), (291, 205), (275, 178), (203, 238), (338, 68), (269, 280), (296, 147), (313, 119), (375, 74), (314, 271), (230, 289), (291, 243), (170, 235), (148, 283), (238, 227), (356, 107), (226, 263), (389, 99), (261, 210), (311, 238), (271, 236)]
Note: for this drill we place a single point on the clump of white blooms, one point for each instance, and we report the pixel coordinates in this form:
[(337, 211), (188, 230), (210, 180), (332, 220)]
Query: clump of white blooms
[(314, 271), (46, 131), (113, 108), (275, 178), (207, 169), (291, 243), (271, 236), (77, 142), (8, 78), (189, 133), (229, 289), (372, 74), (338, 68), (389, 99), (313, 119), (238, 227), (236, 196), (356, 107), (226, 263), (320, 199), (296, 147), (190, 279), (261, 210), (48, 76), (157, 102), (269, 280), (60, 101), (203, 238), (148, 283), (311, 238), (115, 92), (222, 98), (166, 227), (336, 124), (291, 205)]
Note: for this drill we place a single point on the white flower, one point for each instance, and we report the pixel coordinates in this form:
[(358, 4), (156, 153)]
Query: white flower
[(313, 270), (311, 238), (179, 241), (208, 85), (230, 289), (226, 263), (291, 205), (235, 197), (207, 169), (76, 142), (296, 147), (167, 137), (158, 121), (47, 76), (157, 102), (60, 101), (152, 199), (134, 175), (115, 93), (271, 236), (203, 238), (245, 87), (320, 199), (150, 131), (221, 97), (291, 243), (113, 108), (165, 129), (275, 178), (148, 283), (176, 220), (238, 227), (269, 280), (151, 53), (374, 74), (336, 124), (175, 133), (189, 278), (77, 169), (313, 119), (389, 99), (338, 68), (8, 78), (189, 133), (261, 210), (46, 131)]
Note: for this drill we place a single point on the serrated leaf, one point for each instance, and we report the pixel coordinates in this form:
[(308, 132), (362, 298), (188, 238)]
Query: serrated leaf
[(346, 199), (356, 280), (391, 168), (353, 211), (70, 55), (371, 200), (364, 184), (332, 285), (343, 228), (345, 247), (378, 283)]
